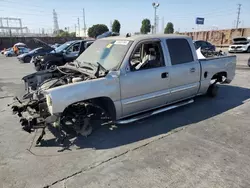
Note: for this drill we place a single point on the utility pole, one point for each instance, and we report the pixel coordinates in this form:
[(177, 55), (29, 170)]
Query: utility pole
[(84, 23), (238, 16), (155, 6), (55, 20), (111, 24), (162, 24), (78, 21)]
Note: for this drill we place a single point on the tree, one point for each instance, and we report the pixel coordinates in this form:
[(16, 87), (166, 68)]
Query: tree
[(96, 30), (116, 26), (61, 33), (169, 28), (145, 26), (73, 34)]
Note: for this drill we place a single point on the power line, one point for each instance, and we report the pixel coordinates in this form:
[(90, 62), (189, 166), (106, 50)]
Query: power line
[(238, 16)]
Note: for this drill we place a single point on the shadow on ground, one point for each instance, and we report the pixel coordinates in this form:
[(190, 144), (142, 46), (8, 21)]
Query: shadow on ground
[(203, 108)]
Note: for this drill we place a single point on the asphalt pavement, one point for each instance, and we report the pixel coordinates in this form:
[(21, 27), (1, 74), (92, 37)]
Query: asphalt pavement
[(205, 144)]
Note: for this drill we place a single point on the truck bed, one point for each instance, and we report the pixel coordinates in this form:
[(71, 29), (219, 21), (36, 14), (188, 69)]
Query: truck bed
[(214, 65)]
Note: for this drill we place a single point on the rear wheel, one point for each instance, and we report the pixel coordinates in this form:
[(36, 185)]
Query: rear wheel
[(212, 90)]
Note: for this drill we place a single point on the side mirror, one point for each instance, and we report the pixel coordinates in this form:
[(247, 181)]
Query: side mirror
[(64, 51)]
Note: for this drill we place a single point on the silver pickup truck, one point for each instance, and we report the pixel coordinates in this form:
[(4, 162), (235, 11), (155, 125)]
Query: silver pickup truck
[(138, 76)]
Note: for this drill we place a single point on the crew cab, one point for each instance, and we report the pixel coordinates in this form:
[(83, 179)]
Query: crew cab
[(130, 79), (240, 44), (67, 52)]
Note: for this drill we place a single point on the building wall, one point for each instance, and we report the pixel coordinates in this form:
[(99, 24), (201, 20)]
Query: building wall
[(219, 37), (6, 42)]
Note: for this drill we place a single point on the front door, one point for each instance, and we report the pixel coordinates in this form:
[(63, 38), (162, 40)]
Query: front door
[(72, 52), (145, 84), (184, 71)]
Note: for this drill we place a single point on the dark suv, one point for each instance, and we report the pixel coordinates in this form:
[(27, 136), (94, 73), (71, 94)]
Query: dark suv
[(204, 45), (65, 53)]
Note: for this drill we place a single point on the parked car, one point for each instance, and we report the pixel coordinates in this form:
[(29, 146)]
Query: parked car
[(107, 34), (11, 53), (26, 57), (115, 79), (65, 53), (240, 44), (4, 50), (204, 45)]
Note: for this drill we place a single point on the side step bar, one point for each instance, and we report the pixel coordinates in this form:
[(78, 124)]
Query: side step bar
[(154, 112)]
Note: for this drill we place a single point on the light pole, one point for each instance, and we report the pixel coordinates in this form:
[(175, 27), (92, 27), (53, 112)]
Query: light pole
[(155, 6)]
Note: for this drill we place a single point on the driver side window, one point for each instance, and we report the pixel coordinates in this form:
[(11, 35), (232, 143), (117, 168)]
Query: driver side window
[(74, 48), (147, 56)]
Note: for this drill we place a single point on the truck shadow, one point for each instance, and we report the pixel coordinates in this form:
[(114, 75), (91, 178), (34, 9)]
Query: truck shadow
[(203, 108)]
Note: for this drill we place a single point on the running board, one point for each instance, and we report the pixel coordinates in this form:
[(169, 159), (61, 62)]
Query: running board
[(154, 112)]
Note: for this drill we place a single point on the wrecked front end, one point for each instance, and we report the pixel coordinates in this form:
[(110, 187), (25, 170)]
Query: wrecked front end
[(35, 111), (74, 120)]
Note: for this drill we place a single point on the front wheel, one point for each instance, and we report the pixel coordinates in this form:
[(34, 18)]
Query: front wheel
[(51, 65), (212, 90)]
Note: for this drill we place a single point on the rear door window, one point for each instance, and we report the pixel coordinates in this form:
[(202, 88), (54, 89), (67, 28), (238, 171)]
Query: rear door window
[(179, 51)]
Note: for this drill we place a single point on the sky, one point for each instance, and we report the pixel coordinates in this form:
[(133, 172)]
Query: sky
[(37, 14)]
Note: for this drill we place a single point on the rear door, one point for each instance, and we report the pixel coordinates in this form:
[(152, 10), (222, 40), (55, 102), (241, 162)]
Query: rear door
[(184, 71)]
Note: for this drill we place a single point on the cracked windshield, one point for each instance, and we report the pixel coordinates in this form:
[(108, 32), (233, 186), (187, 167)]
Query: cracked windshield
[(142, 93)]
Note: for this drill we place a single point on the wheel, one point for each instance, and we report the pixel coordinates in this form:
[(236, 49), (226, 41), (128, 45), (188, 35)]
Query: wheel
[(212, 91), (27, 59), (37, 67), (50, 65), (248, 50)]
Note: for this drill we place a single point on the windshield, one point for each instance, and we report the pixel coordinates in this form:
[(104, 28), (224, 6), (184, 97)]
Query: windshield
[(63, 46), (109, 53)]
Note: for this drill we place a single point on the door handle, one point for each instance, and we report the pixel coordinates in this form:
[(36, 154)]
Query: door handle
[(192, 70), (164, 75)]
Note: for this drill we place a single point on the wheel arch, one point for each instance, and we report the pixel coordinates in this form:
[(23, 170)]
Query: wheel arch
[(219, 76), (105, 103)]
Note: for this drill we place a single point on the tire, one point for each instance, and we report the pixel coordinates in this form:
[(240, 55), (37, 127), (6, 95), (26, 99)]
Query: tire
[(248, 50), (212, 91), (37, 67), (27, 59), (50, 64)]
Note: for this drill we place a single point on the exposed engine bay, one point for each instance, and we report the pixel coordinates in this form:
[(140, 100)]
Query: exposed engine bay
[(58, 76), (33, 108)]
